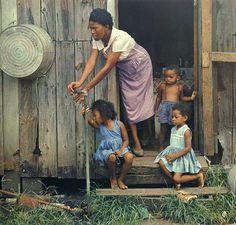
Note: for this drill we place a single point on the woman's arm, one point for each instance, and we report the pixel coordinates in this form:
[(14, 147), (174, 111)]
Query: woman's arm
[(87, 70), (125, 138), (185, 150), (110, 63)]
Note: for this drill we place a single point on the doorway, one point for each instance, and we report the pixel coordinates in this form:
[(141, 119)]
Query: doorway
[(165, 28)]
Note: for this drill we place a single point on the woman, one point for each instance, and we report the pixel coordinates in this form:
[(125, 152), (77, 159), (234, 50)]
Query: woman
[(134, 70)]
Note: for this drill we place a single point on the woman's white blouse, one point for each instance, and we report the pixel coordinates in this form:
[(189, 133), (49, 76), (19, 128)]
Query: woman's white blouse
[(120, 41)]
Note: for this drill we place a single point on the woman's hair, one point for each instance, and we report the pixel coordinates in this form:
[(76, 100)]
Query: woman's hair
[(183, 108), (106, 109), (101, 16), (175, 68)]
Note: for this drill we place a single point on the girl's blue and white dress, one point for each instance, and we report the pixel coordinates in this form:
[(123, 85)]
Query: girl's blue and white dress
[(187, 163), (111, 141)]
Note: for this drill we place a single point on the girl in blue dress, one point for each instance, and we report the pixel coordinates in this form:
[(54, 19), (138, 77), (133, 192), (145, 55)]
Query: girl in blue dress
[(178, 160), (114, 143)]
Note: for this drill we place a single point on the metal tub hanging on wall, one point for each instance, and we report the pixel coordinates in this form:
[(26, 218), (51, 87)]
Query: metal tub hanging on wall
[(26, 51)]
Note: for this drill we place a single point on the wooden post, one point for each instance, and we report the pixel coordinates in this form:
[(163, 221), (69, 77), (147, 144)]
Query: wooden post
[(207, 80)]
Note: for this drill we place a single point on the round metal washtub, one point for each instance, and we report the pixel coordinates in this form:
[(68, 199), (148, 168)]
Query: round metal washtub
[(26, 51)]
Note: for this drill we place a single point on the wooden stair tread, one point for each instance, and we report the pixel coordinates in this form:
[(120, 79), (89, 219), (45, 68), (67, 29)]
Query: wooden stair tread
[(156, 192)]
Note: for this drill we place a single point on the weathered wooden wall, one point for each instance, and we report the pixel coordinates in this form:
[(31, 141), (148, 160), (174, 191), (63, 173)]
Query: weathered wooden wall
[(45, 123), (224, 40)]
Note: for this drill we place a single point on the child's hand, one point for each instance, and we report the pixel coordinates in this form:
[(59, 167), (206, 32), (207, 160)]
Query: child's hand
[(194, 95), (85, 109), (118, 152), (171, 157)]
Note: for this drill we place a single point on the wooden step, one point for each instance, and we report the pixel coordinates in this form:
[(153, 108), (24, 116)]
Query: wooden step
[(144, 171), (156, 192)]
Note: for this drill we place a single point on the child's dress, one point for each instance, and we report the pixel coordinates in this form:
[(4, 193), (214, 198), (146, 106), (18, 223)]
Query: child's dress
[(187, 163), (111, 141)]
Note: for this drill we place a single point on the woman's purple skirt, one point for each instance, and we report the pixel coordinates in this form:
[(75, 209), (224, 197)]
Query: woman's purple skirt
[(136, 84)]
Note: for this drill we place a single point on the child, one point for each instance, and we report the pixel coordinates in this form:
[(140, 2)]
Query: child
[(114, 141), (169, 93), (179, 158)]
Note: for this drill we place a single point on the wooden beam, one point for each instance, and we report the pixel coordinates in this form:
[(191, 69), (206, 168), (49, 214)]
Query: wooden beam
[(207, 79), (155, 192), (223, 56)]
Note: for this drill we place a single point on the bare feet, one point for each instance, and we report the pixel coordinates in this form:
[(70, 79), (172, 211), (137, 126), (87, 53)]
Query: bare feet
[(200, 180), (114, 184), (121, 184)]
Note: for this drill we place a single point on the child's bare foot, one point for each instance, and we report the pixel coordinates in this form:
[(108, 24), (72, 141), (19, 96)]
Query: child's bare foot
[(114, 184), (121, 184), (200, 180), (177, 186)]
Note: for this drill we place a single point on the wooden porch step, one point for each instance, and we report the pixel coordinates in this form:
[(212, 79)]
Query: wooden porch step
[(157, 192), (144, 171)]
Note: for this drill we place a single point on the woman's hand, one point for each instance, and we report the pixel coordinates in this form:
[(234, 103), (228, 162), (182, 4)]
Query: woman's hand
[(118, 152), (73, 85)]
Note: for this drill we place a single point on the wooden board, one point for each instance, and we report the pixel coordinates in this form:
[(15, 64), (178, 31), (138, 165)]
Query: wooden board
[(65, 111), (10, 96), (47, 124), (155, 192), (1, 127), (207, 79), (48, 15), (144, 171), (82, 52), (82, 12), (234, 119), (64, 20), (28, 12)]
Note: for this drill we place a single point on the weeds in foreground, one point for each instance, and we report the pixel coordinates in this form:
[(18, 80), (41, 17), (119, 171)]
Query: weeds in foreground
[(216, 176), (18, 215), (116, 211), (220, 210)]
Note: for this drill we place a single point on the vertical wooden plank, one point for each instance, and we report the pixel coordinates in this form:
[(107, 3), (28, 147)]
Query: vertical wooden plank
[(82, 52), (100, 4), (113, 87), (47, 102), (48, 15), (207, 80), (64, 20), (10, 97), (234, 115), (82, 12), (225, 110), (47, 124), (65, 111), (28, 12), (195, 75), (1, 109)]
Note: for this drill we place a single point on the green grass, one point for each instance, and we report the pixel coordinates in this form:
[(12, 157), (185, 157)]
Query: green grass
[(99, 210), (18, 215), (116, 211)]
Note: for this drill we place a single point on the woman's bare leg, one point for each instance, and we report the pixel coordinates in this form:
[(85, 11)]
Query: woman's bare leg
[(137, 145), (111, 163), (128, 160)]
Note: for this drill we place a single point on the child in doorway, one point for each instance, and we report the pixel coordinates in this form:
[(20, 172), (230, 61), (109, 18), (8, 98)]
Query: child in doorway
[(178, 160), (113, 147), (169, 93)]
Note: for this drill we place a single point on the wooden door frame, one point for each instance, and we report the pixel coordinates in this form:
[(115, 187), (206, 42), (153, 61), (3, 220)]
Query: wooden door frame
[(208, 57)]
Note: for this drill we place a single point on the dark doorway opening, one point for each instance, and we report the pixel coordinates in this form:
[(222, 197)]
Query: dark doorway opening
[(165, 29)]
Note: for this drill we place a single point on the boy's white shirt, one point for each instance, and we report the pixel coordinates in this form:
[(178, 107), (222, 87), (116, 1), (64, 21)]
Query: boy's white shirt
[(120, 41)]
